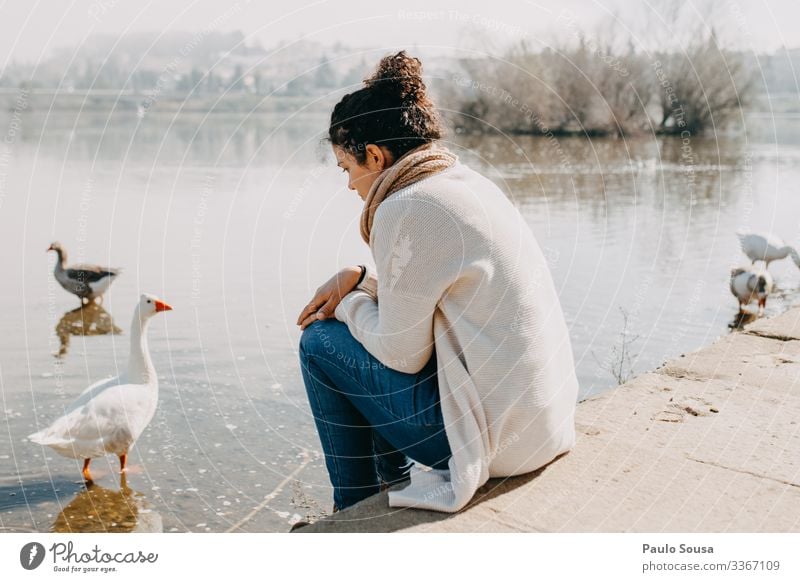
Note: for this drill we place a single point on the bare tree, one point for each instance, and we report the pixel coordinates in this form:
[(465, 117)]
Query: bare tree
[(703, 87), (606, 82), (701, 83), (572, 76), (626, 84)]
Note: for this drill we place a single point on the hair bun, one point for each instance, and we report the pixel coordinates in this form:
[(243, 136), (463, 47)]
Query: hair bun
[(393, 109), (400, 76)]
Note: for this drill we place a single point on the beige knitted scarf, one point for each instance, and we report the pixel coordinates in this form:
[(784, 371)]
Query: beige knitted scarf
[(413, 166)]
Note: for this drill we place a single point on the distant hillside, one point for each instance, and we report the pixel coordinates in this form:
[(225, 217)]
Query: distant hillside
[(216, 71)]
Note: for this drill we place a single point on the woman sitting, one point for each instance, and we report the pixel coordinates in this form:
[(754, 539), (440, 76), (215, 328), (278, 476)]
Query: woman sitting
[(453, 352)]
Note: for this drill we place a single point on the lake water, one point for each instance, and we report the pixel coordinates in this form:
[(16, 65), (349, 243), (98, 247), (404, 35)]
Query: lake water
[(235, 221)]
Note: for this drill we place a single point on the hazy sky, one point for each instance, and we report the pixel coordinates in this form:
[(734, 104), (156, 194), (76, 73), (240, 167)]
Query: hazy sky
[(30, 28)]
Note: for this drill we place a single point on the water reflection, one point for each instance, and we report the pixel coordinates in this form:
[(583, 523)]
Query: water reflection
[(741, 319), (98, 509), (177, 137), (89, 319)]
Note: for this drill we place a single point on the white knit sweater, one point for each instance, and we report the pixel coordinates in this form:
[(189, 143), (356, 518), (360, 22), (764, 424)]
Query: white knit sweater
[(459, 269)]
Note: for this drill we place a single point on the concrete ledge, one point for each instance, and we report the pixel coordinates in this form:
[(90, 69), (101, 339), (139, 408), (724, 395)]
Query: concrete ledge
[(710, 442)]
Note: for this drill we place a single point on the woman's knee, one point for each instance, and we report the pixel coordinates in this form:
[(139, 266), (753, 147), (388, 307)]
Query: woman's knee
[(317, 339)]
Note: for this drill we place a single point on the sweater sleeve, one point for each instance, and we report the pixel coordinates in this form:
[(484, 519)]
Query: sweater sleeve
[(412, 276), (370, 283)]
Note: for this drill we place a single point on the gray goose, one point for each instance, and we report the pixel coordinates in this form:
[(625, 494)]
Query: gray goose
[(750, 284), (88, 282)]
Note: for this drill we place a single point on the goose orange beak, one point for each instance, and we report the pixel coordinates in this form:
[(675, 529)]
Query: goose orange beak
[(161, 306)]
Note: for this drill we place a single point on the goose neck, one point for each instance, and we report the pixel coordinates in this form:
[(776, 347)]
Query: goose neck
[(61, 258), (795, 256), (140, 367)]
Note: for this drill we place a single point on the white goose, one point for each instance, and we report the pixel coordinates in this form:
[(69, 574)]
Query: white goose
[(749, 284), (766, 247), (109, 416)]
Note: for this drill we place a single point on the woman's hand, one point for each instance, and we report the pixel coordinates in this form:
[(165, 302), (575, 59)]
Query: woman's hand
[(329, 295)]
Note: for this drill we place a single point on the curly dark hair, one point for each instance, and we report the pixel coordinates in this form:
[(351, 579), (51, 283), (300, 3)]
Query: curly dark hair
[(392, 110)]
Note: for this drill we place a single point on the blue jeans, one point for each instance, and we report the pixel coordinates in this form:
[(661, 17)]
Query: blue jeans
[(371, 419)]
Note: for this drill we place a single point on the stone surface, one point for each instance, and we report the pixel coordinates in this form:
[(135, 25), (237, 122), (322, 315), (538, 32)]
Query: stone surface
[(784, 326), (710, 442)]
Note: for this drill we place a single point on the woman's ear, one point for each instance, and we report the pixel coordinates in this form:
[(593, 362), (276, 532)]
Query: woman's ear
[(376, 158)]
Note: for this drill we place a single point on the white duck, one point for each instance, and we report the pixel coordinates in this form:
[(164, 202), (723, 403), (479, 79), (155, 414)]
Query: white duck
[(109, 416), (749, 284), (766, 247)]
